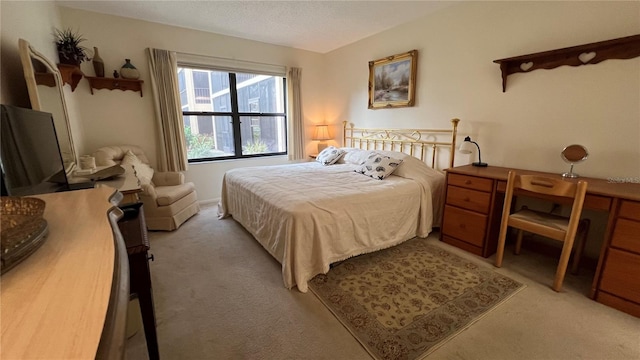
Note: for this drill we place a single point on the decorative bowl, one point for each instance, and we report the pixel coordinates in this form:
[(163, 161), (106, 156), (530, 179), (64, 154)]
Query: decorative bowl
[(23, 229)]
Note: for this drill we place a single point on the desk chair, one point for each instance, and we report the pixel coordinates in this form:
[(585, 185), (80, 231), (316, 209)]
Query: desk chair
[(549, 225)]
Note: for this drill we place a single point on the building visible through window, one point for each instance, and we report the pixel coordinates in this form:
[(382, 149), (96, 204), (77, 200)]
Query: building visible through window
[(232, 115)]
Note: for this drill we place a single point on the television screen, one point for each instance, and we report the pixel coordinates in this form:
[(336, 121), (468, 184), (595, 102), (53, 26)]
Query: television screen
[(29, 154)]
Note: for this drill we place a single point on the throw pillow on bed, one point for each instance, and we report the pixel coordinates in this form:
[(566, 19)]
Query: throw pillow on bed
[(379, 166), (329, 155)]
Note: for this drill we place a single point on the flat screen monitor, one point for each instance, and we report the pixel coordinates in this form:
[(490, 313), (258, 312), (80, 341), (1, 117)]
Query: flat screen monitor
[(30, 157)]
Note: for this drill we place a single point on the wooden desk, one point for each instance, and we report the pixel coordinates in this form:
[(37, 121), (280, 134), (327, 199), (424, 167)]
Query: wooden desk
[(473, 210), (68, 299), (127, 184)]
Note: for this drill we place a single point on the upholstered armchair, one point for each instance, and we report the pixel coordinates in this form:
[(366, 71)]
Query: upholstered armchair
[(168, 201)]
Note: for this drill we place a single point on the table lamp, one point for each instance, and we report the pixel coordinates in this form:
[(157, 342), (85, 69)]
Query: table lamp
[(321, 134), (467, 148)]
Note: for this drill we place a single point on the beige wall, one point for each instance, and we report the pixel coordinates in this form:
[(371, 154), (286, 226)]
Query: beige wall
[(540, 113), (33, 21), (116, 117)]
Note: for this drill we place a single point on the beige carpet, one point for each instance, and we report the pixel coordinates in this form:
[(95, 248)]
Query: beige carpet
[(219, 295), (402, 302)]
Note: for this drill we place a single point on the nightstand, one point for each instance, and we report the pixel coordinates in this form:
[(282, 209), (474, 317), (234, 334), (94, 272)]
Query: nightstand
[(471, 213)]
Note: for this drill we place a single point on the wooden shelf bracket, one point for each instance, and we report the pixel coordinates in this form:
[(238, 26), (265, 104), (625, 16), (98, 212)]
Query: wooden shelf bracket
[(71, 75), (593, 53)]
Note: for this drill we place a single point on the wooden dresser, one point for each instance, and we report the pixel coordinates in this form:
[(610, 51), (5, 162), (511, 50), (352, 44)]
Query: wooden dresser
[(473, 209), (68, 300)]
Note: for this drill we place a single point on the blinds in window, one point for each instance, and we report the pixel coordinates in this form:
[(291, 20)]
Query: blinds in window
[(232, 65)]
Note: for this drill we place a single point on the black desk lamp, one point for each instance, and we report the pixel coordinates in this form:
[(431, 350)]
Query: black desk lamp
[(466, 148)]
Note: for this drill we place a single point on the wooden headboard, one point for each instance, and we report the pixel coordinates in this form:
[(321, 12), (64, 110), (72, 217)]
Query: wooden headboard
[(415, 142)]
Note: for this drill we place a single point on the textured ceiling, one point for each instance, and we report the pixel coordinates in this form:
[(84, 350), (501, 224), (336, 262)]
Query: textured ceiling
[(319, 26)]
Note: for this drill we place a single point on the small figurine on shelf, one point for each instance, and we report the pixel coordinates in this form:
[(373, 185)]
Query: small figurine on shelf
[(115, 74)]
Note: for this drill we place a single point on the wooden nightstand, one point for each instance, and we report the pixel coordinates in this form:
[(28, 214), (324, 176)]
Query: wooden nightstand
[(471, 216)]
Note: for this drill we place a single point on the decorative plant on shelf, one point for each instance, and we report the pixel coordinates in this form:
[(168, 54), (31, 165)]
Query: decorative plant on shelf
[(69, 49)]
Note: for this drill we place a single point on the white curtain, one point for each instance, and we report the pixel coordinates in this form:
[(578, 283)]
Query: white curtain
[(166, 94), (296, 135)]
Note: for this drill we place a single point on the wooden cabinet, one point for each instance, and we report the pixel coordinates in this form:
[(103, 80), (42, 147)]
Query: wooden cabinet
[(619, 281), (468, 214), (113, 84), (134, 231)]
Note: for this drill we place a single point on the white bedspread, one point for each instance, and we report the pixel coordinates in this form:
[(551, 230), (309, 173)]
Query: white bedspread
[(309, 216)]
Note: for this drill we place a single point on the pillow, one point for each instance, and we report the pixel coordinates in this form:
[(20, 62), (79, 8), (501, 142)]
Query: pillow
[(355, 156), (329, 155), (143, 172), (379, 166)]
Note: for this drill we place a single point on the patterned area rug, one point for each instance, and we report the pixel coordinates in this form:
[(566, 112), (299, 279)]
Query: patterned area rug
[(405, 301)]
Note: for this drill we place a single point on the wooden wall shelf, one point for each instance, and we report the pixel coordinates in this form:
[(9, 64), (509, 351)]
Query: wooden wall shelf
[(113, 83), (593, 53), (71, 75)]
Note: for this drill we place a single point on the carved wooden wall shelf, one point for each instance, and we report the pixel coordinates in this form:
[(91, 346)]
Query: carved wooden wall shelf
[(71, 75), (621, 48), (113, 83)]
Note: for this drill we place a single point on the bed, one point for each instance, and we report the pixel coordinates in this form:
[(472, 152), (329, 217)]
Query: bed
[(312, 214)]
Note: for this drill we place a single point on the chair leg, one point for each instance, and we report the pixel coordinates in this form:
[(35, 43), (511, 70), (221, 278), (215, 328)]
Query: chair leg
[(582, 240), (518, 242), (500, 250), (562, 264)]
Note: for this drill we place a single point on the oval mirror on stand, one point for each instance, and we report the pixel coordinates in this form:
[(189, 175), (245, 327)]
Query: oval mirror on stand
[(573, 154), (44, 83)]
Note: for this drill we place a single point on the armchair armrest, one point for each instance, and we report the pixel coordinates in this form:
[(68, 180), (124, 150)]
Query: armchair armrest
[(148, 191), (168, 178)]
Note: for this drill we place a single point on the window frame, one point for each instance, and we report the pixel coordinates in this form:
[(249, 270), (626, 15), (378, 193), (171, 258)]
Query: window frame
[(237, 115)]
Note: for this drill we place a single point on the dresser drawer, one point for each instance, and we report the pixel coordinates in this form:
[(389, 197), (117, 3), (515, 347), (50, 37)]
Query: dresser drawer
[(630, 210), (626, 235), (464, 225), (620, 275), (469, 199), (470, 182)]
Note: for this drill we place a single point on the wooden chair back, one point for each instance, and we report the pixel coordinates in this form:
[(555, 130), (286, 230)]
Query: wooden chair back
[(550, 187)]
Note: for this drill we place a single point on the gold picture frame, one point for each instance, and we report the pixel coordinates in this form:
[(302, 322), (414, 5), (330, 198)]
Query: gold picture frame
[(392, 81)]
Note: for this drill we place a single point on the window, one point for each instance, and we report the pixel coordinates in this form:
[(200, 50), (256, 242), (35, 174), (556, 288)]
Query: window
[(230, 115)]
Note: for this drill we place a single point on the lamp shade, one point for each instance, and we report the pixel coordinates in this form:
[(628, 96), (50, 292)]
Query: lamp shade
[(321, 133), (467, 147)]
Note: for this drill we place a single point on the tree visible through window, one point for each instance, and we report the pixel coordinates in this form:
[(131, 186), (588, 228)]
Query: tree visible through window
[(232, 115)]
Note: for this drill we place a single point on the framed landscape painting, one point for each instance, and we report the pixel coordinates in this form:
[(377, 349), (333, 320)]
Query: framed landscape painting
[(392, 81)]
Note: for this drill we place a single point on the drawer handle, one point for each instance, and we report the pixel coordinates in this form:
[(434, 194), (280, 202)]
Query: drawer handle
[(468, 182), (463, 226), (467, 199)]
